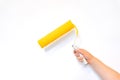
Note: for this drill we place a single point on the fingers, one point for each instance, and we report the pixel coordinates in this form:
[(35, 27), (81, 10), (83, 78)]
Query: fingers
[(80, 59), (77, 54)]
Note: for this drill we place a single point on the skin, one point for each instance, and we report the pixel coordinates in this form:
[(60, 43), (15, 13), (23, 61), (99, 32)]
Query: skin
[(105, 72)]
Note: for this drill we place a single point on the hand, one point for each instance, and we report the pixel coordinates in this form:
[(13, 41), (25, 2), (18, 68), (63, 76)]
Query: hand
[(85, 54)]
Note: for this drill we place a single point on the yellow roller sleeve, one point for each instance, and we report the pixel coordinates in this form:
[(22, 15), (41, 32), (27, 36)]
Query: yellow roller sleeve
[(56, 34)]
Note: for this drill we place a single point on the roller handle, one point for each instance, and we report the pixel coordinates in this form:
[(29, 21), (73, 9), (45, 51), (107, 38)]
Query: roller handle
[(84, 60)]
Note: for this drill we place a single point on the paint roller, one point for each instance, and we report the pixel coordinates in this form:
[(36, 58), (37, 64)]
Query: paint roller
[(57, 33)]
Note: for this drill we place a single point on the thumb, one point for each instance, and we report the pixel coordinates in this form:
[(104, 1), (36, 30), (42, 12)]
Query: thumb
[(88, 56)]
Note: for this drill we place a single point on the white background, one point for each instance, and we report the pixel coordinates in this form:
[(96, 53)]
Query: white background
[(24, 22)]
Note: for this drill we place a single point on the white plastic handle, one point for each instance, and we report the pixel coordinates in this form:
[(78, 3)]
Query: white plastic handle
[(84, 60)]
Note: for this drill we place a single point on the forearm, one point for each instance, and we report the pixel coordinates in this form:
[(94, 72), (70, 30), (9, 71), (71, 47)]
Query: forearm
[(105, 72)]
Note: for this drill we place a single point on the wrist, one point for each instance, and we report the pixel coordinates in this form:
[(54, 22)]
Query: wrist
[(91, 60)]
